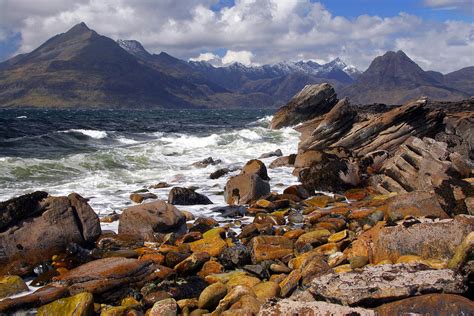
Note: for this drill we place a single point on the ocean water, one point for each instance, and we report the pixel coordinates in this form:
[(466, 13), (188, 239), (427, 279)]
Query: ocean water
[(104, 155)]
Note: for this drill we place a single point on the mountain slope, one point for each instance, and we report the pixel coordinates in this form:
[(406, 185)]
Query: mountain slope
[(462, 79), (83, 68), (394, 79)]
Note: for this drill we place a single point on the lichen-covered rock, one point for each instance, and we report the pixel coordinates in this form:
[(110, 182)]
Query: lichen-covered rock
[(166, 307), (269, 248), (383, 283), (11, 284), (293, 307), (416, 203), (192, 263), (266, 290), (81, 304), (148, 219)]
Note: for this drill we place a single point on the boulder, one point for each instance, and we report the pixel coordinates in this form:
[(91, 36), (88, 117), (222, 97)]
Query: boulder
[(310, 102), (429, 304), (81, 304), (110, 276), (384, 283), (219, 173), (244, 188), (235, 256), (231, 210), (269, 248), (429, 240), (148, 219), (257, 167), (184, 196), (296, 307), (416, 203), (42, 228)]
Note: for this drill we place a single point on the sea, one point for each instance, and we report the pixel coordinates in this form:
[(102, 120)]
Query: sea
[(105, 155)]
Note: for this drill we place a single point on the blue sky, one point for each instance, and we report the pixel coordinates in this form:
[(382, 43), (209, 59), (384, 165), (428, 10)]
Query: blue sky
[(258, 31)]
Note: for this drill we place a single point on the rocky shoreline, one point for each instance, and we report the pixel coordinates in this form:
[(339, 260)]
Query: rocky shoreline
[(395, 236)]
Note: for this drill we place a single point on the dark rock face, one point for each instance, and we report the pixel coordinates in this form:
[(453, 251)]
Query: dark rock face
[(206, 162), (384, 283), (312, 101), (276, 153), (16, 209), (219, 173), (46, 228), (386, 131), (184, 196), (148, 219), (430, 304)]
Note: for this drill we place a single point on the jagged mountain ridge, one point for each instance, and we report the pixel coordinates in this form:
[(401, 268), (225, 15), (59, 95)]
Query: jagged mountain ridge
[(81, 68)]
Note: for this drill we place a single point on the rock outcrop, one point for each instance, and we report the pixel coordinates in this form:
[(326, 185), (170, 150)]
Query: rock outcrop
[(185, 196), (35, 227), (312, 101)]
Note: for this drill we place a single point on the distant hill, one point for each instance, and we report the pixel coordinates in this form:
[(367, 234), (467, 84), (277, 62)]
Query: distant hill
[(394, 79), (81, 68)]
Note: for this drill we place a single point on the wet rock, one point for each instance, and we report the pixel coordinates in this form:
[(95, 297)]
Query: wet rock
[(206, 162), (285, 161), (110, 218), (219, 173), (148, 219), (231, 211), (314, 268), (429, 240), (40, 297), (11, 284), (181, 288), (211, 296), (257, 167), (276, 153), (235, 256), (214, 245), (109, 275), (269, 248), (382, 283), (151, 298), (140, 197), (166, 307), (313, 238), (312, 101), (293, 307), (54, 222), (417, 203), (203, 224), (184, 196), (297, 190), (174, 257), (160, 185), (430, 304), (257, 270), (81, 304), (244, 188), (192, 263)]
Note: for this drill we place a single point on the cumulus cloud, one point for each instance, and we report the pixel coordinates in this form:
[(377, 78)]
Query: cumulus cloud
[(252, 32), (208, 57)]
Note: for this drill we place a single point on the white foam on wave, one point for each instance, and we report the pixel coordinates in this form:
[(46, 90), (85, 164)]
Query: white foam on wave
[(91, 133), (22, 117), (249, 134), (127, 141)]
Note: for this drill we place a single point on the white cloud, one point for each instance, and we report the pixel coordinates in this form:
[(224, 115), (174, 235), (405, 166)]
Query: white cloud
[(209, 57), (262, 31), (467, 6), (244, 57)]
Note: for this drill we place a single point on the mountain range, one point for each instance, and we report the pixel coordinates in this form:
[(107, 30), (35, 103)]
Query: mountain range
[(81, 68)]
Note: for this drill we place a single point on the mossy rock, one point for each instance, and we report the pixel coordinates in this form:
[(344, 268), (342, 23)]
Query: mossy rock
[(81, 304), (11, 284)]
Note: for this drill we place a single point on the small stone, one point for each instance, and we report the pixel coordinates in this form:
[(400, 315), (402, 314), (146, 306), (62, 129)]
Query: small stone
[(232, 297), (192, 263), (314, 238), (319, 201), (338, 236), (211, 296), (140, 197), (160, 185), (358, 261), (166, 307), (245, 280), (269, 248), (210, 267), (235, 256), (345, 268), (279, 268), (267, 290)]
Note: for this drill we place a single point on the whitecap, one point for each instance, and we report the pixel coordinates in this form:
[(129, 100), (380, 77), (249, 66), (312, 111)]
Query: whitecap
[(22, 117), (127, 141), (90, 132), (249, 134)]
